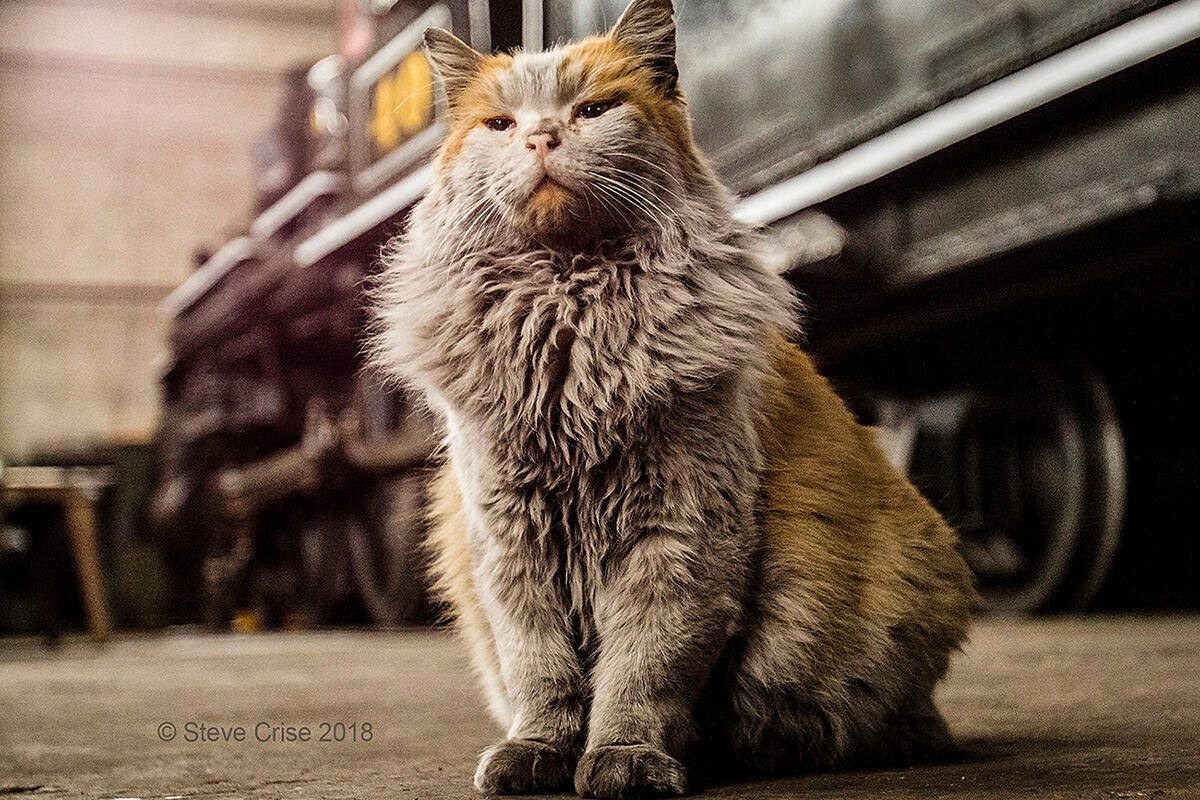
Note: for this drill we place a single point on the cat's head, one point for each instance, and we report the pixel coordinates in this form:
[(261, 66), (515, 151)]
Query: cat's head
[(588, 138)]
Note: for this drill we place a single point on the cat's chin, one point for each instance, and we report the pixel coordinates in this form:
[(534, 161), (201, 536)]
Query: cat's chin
[(551, 208)]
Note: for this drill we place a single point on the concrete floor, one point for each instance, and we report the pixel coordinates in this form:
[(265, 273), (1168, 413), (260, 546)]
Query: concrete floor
[(1092, 708)]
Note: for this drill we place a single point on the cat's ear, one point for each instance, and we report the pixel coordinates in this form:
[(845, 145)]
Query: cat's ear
[(453, 60), (647, 29)]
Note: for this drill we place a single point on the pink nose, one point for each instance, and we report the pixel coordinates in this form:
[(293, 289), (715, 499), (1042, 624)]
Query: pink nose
[(542, 144)]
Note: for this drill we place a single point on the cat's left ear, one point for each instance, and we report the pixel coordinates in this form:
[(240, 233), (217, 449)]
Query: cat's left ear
[(454, 61), (647, 29)]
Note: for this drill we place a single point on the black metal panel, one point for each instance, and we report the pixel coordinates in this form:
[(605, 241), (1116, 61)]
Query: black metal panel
[(776, 86), (1130, 145)]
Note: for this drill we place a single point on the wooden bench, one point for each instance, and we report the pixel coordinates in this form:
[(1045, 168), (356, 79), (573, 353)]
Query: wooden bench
[(76, 490)]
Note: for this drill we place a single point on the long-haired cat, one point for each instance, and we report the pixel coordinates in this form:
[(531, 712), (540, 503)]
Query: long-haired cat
[(664, 538)]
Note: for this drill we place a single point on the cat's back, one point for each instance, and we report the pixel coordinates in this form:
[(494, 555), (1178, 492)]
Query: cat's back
[(860, 599), (862, 595), (832, 501)]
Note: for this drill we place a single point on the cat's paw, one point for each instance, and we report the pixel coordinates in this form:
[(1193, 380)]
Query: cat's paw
[(629, 772), (523, 766)]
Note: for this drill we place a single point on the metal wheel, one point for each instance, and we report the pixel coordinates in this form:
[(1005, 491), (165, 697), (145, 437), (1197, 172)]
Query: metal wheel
[(325, 582), (1030, 469), (1021, 491), (1107, 491), (384, 544)]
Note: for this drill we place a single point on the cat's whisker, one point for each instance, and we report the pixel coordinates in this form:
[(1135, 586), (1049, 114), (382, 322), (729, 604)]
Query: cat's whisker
[(623, 200), (428, 87), (475, 221), (444, 249), (618, 154), (639, 186), (670, 176), (621, 188), (648, 204), (611, 206), (643, 182), (604, 204)]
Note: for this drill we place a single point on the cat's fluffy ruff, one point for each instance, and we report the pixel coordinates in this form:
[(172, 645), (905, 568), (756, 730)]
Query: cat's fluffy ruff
[(660, 531)]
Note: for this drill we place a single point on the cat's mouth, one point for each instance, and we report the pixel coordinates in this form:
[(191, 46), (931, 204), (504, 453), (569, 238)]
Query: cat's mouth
[(548, 191), (546, 181)]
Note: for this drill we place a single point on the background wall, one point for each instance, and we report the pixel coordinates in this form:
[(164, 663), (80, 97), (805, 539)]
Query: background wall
[(125, 139)]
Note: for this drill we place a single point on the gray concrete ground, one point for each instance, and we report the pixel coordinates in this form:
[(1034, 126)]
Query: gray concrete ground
[(1090, 708)]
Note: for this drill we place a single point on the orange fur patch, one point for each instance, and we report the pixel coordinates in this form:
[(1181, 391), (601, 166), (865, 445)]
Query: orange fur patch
[(476, 103), (607, 70), (840, 517)]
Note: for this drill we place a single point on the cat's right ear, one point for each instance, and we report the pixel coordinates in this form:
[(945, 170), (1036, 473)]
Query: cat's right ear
[(454, 61)]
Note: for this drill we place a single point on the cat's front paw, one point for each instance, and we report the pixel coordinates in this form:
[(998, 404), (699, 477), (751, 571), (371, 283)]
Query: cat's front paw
[(629, 772), (523, 766)]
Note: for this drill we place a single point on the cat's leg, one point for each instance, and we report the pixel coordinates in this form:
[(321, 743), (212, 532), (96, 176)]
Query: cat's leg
[(540, 670), (452, 571), (663, 618)]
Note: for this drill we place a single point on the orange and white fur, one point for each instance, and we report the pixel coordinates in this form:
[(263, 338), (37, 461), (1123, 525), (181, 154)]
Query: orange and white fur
[(666, 542)]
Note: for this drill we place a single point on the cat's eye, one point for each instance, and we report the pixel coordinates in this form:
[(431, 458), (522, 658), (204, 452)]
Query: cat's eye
[(594, 109), (499, 123)]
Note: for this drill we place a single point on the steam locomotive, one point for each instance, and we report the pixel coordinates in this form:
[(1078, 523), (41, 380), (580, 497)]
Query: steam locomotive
[(989, 208)]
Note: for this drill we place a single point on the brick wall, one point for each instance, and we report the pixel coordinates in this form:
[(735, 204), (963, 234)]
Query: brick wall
[(125, 135)]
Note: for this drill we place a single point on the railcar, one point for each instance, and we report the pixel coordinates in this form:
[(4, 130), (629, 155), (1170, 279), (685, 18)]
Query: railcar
[(989, 208)]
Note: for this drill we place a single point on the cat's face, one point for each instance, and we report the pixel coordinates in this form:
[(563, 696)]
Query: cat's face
[(586, 138)]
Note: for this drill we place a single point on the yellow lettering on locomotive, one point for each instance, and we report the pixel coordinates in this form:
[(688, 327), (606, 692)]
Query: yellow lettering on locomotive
[(403, 102), (383, 128), (416, 79)]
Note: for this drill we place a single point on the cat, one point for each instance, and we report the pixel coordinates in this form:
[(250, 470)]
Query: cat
[(665, 540)]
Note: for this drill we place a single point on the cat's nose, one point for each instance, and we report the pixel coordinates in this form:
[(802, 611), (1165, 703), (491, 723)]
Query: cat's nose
[(542, 144)]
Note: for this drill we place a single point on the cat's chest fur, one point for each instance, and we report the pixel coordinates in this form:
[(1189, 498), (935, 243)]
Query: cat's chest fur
[(568, 379), (552, 383), (560, 361)]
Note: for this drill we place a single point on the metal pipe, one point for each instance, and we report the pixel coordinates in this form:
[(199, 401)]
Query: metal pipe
[(247, 488)]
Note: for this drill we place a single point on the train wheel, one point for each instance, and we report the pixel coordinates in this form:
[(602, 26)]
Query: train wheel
[(384, 543), (1030, 470), (325, 584), (1107, 491)]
